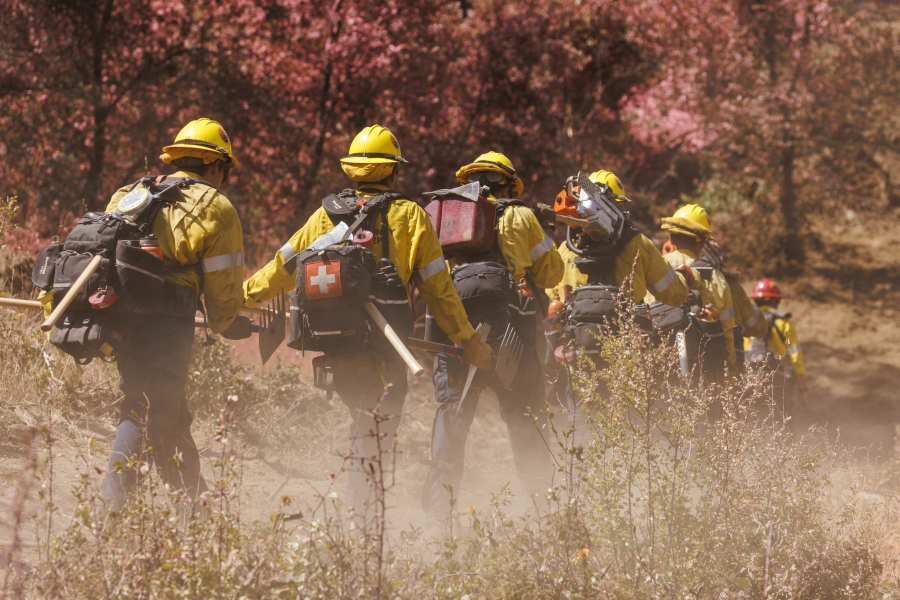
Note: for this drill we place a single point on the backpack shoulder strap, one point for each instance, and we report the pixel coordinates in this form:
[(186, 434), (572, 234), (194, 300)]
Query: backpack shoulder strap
[(778, 314), (503, 203), (770, 316), (628, 233), (348, 206), (701, 262)]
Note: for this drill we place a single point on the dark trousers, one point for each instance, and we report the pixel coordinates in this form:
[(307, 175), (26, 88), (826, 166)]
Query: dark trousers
[(152, 375), (450, 430), (360, 379)]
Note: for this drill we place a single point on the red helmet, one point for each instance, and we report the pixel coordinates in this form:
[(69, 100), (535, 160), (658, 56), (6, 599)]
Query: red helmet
[(766, 288)]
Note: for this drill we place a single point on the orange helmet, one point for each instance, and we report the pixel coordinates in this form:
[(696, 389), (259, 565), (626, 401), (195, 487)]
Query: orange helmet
[(766, 288), (668, 247), (565, 204)]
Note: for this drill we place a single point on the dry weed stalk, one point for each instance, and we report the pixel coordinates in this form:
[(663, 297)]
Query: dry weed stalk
[(680, 491)]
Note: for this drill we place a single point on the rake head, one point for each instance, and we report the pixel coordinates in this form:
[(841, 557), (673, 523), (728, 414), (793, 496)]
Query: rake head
[(272, 328), (508, 357)]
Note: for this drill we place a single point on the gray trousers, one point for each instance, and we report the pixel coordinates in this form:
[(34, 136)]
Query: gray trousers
[(152, 375)]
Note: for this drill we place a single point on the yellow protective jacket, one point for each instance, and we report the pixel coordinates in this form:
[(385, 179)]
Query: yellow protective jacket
[(203, 248), (783, 341), (746, 313), (414, 248), (651, 272), (526, 248), (716, 292)]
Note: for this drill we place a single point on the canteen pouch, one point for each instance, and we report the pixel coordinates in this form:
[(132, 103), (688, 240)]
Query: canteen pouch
[(589, 309), (705, 343), (588, 336), (594, 304), (390, 298), (89, 335), (69, 266), (488, 293), (45, 266), (142, 278), (667, 319)]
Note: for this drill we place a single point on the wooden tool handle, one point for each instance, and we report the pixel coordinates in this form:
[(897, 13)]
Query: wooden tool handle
[(394, 339), (70, 295), (549, 213), (26, 304), (200, 323), (258, 310), (434, 347), (571, 221)]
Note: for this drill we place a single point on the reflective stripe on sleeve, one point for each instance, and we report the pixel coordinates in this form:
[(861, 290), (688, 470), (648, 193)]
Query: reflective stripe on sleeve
[(726, 314), (749, 323), (287, 252), (661, 285), (226, 261), (794, 350), (540, 249), (430, 270)]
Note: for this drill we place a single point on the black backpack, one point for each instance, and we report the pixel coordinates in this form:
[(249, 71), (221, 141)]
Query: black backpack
[(333, 283), (130, 281), (759, 352), (704, 340)]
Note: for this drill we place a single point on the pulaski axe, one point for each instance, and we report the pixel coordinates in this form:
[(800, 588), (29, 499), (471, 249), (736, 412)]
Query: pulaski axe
[(505, 362)]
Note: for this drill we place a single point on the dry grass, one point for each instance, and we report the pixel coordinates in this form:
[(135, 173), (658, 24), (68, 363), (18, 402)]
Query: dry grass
[(662, 503)]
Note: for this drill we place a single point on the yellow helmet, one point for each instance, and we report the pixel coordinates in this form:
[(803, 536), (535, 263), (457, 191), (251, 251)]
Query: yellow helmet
[(493, 162), (609, 178), (203, 138), (690, 220), (373, 145)]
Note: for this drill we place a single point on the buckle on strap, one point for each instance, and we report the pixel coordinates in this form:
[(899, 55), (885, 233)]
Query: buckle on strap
[(435, 464)]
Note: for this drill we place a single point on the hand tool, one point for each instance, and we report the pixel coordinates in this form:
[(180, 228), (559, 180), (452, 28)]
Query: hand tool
[(272, 328), (483, 329), (394, 339), (505, 363), (70, 295)]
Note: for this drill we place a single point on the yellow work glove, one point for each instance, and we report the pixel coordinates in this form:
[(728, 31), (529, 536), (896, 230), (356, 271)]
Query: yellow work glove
[(476, 352)]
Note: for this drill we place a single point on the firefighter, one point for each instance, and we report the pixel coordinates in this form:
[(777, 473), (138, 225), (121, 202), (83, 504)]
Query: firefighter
[(689, 231), (639, 268), (651, 272), (748, 320), (530, 256), (203, 252), (779, 347), (360, 378)]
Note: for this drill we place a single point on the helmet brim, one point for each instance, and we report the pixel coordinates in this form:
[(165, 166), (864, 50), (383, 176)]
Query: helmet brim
[(369, 158), (684, 226), (234, 164), (462, 175)]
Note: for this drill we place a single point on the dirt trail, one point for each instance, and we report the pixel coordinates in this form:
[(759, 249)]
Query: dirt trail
[(846, 311), (844, 307)]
